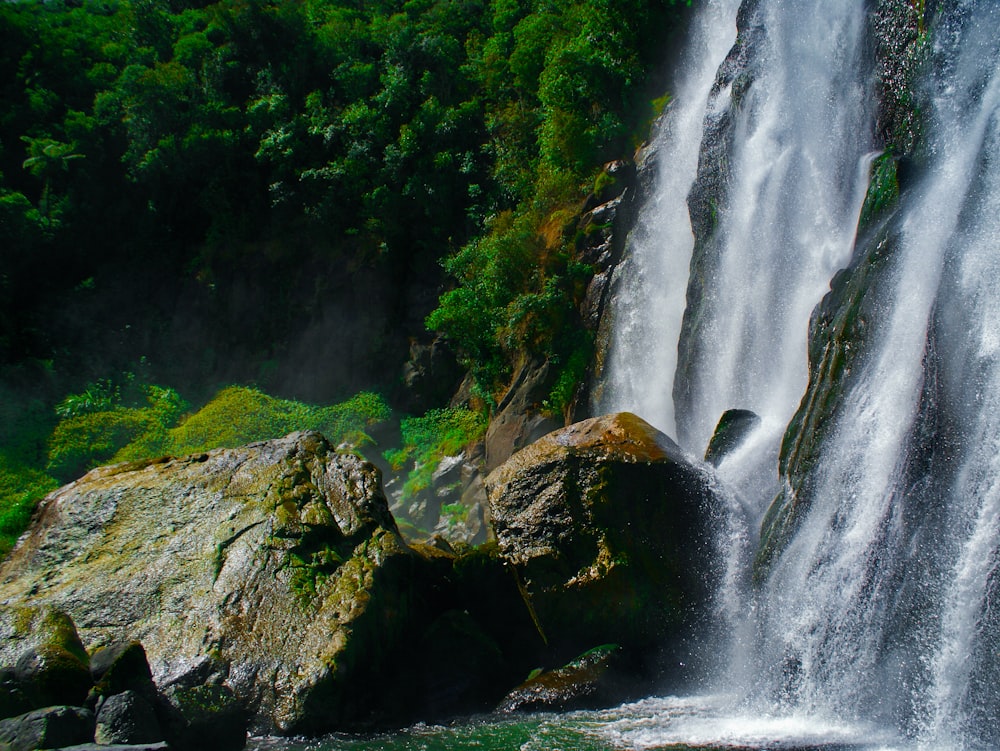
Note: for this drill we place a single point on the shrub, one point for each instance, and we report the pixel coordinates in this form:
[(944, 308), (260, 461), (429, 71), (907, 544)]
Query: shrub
[(428, 439), (21, 488), (238, 415), (97, 428)]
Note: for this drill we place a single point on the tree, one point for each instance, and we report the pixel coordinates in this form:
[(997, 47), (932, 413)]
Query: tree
[(46, 159)]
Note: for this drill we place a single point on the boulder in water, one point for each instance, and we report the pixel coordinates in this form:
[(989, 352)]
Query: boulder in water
[(733, 427), (607, 526), (591, 681)]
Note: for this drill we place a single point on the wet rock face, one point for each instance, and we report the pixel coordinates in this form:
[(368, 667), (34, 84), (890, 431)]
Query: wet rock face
[(608, 527), (275, 569), (732, 429)]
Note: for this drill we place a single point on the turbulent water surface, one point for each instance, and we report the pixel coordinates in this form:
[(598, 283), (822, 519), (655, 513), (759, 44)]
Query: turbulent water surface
[(668, 724)]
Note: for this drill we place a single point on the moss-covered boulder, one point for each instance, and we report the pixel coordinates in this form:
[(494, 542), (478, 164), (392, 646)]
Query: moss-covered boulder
[(608, 527), (591, 681), (42, 660), (275, 570)]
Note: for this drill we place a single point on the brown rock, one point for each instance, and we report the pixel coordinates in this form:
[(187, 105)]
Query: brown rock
[(609, 528)]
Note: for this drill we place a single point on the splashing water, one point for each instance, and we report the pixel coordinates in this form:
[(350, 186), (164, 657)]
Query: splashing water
[(648, 301)]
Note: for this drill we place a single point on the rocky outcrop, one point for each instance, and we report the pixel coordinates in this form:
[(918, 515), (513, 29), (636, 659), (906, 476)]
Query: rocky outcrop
[(733, 427), (839, 326), (519, 419), (274, 570), (453, 506), (591, 681), (608, 527)]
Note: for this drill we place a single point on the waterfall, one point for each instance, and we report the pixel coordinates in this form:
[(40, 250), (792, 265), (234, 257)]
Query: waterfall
[(881, 607), (648, 300), (881, 602)]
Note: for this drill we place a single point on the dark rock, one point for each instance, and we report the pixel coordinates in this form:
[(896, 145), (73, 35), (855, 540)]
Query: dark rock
[(14, 699), (588, 682), (430, 376), (275, 568), (608, 527), (463, 667), (44, 660), (734, 426), (203, 718), (483, 641), (127, 718), (518, 419), (50, 727), (122, 667)]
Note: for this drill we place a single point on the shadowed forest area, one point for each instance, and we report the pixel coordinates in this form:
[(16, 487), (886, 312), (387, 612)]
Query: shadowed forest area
[(280, 197)]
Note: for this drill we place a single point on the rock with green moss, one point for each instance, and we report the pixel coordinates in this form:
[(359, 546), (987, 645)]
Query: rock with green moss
[(838, 328), (42, 659), (591, 681), (274, 569), (607, 525)]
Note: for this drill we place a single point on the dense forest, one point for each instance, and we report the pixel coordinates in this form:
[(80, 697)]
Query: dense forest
[(216, 215)]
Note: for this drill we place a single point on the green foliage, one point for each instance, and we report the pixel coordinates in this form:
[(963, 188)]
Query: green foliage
[(229, 152), (100, 396), (428, 439), (564, 89), (21, 488), (570, 375), (97, 427), (238, 415)]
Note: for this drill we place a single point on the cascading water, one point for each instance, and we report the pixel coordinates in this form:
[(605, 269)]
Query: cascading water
[(879, 610), (648, 303), (882, 601), (874, 619)]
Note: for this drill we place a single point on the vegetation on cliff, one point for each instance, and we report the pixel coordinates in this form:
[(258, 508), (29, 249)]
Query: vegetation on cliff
[(277, 195)]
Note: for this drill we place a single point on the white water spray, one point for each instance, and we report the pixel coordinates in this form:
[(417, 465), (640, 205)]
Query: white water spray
[(881, 611), (648, 300)]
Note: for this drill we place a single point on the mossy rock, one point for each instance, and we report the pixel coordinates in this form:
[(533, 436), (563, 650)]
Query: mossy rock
[(837, 332), (591, 681), (275, 568), (44, 660), (607, 526)]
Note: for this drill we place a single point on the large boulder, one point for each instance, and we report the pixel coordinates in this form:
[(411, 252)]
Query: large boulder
[(274, 570), (42, 660), (608, 526), (50, 727)]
